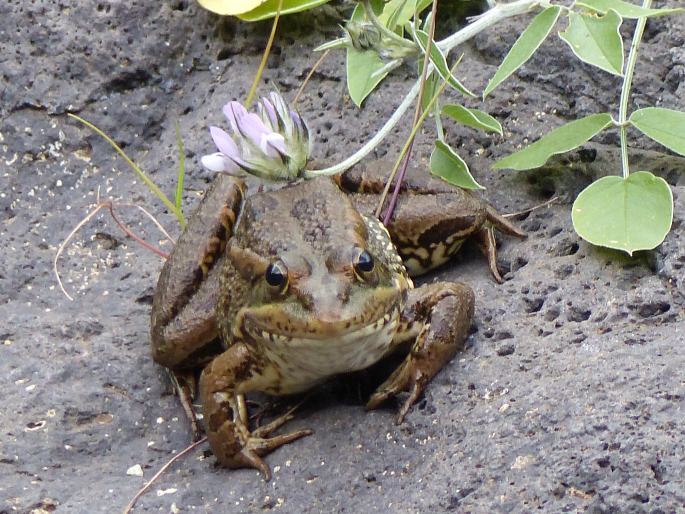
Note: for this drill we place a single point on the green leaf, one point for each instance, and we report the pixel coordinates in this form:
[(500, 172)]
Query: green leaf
[(560, 140), (596, 41), (439, 61), (268, 9), (626, 214), (365, 69), (363, 73), (525, 46), (472, 118), (625, 9), (664, 126), (446, 164), (397, 13)]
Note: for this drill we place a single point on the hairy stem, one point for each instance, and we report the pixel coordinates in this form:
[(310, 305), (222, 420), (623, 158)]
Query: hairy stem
[(625, 91), (487, 19)]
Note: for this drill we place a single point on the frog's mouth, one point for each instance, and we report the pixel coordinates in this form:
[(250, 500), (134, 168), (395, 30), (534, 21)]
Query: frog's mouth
[(281, 328)]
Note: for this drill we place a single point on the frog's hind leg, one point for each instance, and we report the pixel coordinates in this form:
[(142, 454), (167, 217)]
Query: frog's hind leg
[(441, 312), (502, 224)]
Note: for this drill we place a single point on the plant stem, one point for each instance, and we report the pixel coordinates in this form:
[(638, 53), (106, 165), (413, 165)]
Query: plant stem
[(265, 55), (487, 19), (387, 216), (141, 174), (625, 91), (373, 142)]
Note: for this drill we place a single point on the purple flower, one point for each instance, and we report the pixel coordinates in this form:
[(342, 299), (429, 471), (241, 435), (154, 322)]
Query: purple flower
[(273, 144)]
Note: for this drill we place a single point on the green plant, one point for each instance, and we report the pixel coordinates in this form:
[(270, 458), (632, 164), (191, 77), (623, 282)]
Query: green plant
[(629, 212)]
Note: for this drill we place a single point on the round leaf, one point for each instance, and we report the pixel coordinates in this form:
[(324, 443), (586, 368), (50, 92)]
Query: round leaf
[(626, 214), (230, 7), (255, 10)]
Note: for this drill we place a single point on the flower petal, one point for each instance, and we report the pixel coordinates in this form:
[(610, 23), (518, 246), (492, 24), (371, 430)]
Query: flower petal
[(224, 142), (219, 162), (272, 144), (252, 128), (269, 113), (234, 111)]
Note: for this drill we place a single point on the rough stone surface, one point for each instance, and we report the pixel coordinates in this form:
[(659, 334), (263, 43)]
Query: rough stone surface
[(570, 393)]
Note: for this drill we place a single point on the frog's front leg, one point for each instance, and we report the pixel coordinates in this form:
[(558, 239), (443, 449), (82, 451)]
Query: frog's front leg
[(222, 386), (439, 316)]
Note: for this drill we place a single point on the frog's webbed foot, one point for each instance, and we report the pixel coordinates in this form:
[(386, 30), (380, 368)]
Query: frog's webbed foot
[(445, 310), (225, 414), (255, 447)]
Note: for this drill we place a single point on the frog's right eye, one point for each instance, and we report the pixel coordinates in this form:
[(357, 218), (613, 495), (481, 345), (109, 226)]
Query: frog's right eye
[(276, 275)]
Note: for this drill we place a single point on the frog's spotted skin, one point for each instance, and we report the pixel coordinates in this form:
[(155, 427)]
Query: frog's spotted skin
[(301, 287)]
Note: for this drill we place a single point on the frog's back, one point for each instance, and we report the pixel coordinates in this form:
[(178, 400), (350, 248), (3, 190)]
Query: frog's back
[(310, 216)]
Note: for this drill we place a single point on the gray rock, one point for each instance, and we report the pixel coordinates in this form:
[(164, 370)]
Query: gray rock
[(583, 413)]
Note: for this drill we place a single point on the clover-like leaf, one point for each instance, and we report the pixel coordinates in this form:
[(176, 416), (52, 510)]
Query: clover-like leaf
[(439, 61), (626, 214), (446, 164), (664, 126), (560, 140), (472, 118), (525, 46), (596, 41), (625, 9)]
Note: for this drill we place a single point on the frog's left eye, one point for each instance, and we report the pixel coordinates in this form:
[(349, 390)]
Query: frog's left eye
[(276, 275), (363, 263)]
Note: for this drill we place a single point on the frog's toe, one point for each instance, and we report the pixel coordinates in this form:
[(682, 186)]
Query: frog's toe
[(264, 445), (274, 425), (405, 378), (250, 456)]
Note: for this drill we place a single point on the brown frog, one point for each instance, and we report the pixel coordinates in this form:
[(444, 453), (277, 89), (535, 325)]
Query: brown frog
[(284, 289)]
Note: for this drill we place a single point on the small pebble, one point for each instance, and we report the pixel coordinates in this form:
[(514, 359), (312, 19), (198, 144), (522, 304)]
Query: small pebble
[(135, 471)]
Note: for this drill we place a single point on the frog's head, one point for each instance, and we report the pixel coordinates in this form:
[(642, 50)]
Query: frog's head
[(314, 269)]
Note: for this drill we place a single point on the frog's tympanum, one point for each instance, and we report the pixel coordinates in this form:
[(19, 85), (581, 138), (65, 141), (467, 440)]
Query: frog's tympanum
[(280, 290)]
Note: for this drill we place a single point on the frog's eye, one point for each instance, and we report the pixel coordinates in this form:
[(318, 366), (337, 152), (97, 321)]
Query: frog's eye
[(276, 275), (363, 263)]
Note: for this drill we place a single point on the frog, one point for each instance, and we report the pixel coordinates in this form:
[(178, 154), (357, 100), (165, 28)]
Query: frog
[(279, 290)]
